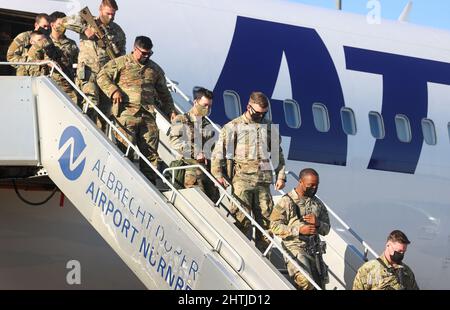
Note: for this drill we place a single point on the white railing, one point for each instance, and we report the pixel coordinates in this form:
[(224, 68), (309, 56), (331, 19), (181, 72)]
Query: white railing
[(221, 241), (130, 147), (273, 242), (176, 89), (347, 227)]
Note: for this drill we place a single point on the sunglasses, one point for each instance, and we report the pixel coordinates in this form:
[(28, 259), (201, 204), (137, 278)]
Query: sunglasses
[(260, 114), (150, 53)]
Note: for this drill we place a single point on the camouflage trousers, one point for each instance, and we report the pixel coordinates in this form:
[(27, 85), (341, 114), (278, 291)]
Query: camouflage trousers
[(257, 200), (195, 177), (308, 264), (141, 130), (66, 87), (88, 85)]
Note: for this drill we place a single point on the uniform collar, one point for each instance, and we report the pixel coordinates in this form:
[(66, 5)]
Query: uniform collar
[(294, 195), (250, 121), (298, 200), (62, 40), (137, 62), (389, 265), (191, 115), (100, 22)]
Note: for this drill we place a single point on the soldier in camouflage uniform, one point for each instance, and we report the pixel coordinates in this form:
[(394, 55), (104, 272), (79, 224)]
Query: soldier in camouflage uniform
[(18, 50), (248, 140), (298, 217), (67, 51), (92, 57), (40, 48), (58, 49), (387, 272), (190, 133), (138, 85)]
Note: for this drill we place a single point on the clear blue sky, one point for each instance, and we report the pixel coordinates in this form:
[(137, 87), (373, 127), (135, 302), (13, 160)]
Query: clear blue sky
[(434, 13)]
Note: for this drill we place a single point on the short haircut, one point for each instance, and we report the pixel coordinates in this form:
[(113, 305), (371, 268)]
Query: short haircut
[(110, 3), (260, 99), (41, 16), (36, 33), (56, 15), (398, 236), (308, 171), (143, 42), (200, 92)]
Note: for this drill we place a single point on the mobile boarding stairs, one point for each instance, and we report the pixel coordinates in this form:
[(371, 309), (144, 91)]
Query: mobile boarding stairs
[(175, 239)]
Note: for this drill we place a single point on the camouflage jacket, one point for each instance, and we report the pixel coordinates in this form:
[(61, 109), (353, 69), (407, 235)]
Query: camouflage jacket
[(143, 86), (63, 52), (374, 275), (186, 131), (285, 221), (248, 144), (39, 52), (69, 56), (91, 54), (18, 51)]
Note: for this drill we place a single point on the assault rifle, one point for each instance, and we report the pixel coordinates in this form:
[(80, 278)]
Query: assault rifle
[(104, 41), (101, 32), (316, 248)]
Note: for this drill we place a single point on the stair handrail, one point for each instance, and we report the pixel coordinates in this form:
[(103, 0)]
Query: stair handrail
[(221, 240), (366, 246), (112, 126), (273, 242), (176, 89)]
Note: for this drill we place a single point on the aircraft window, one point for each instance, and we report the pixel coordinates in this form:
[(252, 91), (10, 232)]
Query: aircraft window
[(348, 121), (429, 132), (292, 113), (403, 128), (232, 104), (321, 118), (376, 125)]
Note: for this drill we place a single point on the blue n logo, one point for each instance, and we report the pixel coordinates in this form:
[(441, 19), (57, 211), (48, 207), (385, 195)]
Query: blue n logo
[(72, 146)]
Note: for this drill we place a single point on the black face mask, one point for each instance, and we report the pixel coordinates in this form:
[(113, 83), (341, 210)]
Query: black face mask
[(256, 116), (310, 192), (44, 31), (144, 60), (397, 257)]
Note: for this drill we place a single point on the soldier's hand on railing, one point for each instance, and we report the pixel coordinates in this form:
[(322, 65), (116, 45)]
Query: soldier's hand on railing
[(89, 32), (53, 65), (307, 230), (201, 159), (172, 116), (117, 97), (222, 182), (310, 219), (280, 185)]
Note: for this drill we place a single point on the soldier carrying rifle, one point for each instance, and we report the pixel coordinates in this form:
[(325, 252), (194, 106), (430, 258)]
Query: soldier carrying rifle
[(298, 219), (101, 40)]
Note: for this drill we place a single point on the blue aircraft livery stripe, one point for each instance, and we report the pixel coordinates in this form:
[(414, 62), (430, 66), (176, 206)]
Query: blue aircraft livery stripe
[(253, 63), (405, 91)]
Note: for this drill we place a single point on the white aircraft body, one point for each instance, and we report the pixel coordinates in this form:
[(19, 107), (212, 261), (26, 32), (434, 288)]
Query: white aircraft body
[(364, 104)]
